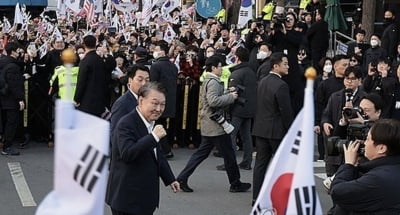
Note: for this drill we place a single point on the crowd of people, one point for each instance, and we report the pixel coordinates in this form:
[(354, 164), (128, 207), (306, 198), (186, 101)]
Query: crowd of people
[(210, 85)]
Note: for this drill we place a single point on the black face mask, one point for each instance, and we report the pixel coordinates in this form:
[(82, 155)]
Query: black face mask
[(387, 21)]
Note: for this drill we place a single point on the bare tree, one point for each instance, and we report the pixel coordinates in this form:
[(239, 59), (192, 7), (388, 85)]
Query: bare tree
[(368, 16)]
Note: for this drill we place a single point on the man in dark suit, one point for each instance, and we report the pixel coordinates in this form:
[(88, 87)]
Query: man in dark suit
[(13, 101), (273, 117), (137, 162), (138, 75), (165, 72), (333, 122), (318, 37), (91, 88)]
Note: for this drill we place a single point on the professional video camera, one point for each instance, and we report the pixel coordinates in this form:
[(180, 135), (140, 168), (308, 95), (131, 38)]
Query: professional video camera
[(239, 89), (351, 113), (355, 131), (279, 20), (228, 128)]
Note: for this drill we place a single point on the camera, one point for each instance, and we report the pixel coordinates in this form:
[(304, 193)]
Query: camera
[(239, 89), (355, 131), (351, 113), (228, 128), (278, 21)]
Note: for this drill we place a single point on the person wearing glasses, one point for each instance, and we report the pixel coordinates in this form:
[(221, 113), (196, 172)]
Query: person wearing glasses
[(348, 97)]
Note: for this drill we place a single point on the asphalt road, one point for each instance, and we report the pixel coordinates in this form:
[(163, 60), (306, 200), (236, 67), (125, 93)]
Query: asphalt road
[(210, 196)]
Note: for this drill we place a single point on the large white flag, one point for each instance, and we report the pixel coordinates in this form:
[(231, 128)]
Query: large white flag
[(18, 16), (98, 6), (245, 12), (80, 167), (169, 34), (289, 185), (73, 5), (169, 6), (146, 13)]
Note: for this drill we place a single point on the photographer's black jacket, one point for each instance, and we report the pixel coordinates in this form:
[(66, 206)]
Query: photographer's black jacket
[(371, 188), (243, 75)]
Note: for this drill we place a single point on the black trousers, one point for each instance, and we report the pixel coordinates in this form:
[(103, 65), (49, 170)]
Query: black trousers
[(10, 125), (115, 212), (266, 149), (224, 146), (167, 141)]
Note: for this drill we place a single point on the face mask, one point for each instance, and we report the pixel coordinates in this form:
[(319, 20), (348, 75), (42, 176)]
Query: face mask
[(155, 55), (209, 54), (261, 55), (128, 58), (81, 56), (387, 20), (327, 68), (374, 43)]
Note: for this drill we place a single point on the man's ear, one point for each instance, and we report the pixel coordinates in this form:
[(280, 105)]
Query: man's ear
[(382, 148)]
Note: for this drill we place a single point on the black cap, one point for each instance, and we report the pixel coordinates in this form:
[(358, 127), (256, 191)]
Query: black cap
[(140, 51)]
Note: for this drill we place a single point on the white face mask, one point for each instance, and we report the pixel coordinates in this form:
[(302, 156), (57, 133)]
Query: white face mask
[(209, 54), (155, 55), (81, 56), (261, 55), (374, 43), (327, 68)]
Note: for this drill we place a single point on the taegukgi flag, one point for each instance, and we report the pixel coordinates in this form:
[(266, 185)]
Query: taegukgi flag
[(80, 167), (289, 185), (245, 12)]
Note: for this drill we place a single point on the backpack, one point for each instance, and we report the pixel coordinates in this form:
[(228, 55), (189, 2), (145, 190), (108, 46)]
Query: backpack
[(3, 82)]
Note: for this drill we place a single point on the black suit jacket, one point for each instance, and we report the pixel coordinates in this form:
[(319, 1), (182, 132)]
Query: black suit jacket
[(334, 108), (91, 87), (274, 111), (124, 104), (133, 183), (166, 73)]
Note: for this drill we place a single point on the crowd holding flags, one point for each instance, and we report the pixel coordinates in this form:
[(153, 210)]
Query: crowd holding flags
[(289, 184)]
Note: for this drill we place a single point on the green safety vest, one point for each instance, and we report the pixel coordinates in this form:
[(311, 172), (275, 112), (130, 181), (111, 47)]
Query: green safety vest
[(226, 73), (60, 72), (268, 9), (304, 3), (221, 16)]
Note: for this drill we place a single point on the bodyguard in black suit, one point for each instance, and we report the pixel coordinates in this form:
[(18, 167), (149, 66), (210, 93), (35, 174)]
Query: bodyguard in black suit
[(13, 101), (137, 162), (91, 87), (273, 116), (138, 75), (165, 72)]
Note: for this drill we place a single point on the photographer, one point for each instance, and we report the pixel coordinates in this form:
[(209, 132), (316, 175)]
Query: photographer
[(371, 187), (348, 97), (214, 129), (381, 80), (243, 79)]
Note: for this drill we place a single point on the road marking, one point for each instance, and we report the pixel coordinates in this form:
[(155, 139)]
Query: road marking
[(21, 186), (319, 164), (321, 175)]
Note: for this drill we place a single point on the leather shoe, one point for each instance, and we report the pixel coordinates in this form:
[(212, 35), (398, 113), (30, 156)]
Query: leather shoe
[(221, 167), (185, 187), (169, 155), (244, 166), (217, 154), (239, 187)]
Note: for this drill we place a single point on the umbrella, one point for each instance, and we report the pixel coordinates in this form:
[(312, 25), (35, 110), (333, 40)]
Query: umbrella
[(334, 16)]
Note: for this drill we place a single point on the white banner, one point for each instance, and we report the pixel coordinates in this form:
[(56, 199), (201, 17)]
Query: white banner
[(81, 164)]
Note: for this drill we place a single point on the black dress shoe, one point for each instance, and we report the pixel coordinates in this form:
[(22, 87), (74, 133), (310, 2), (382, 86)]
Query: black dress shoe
[(221, 167), (240, 187), (169, 155), (244, 166), (217, 154), (185, 187)]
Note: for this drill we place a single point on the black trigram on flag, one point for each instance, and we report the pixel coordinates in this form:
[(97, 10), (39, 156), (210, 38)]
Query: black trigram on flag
[(243, 13), (260, 211), (84, 173), (296, 144), (305, 200)]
